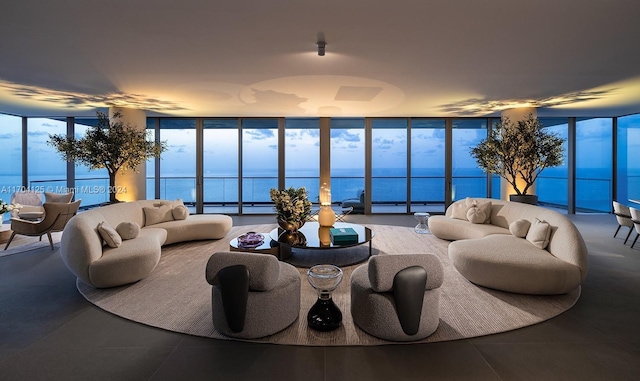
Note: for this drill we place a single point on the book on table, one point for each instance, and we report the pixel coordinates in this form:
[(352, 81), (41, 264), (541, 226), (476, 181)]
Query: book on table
[(343, 235)]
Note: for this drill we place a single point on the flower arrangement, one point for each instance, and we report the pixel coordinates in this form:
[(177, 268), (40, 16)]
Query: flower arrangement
[(4, 207), (292, 205)]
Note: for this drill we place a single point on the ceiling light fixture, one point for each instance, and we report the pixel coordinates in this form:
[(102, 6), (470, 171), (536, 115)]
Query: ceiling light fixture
[(321, 47)]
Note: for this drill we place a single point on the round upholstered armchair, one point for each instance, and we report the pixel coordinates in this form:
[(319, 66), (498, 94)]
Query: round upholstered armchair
[(397, 297), (253, 295)]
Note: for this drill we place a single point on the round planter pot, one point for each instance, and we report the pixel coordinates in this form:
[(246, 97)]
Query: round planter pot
[(531, 199)]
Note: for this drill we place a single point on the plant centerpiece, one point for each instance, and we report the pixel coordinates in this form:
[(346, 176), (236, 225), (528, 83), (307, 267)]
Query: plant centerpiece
[(112, 145), (292, 207), (519, 150)]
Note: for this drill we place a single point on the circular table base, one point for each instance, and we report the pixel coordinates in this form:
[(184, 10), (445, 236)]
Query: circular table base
[(338, 257)]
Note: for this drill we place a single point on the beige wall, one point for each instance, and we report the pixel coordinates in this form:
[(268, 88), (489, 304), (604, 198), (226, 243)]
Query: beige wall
[(134, 182), (514, 115)]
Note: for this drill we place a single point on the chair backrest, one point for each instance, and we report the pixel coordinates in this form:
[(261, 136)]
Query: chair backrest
[(27, 197), (264, 269), (383, 269), (58, 197), (635, 217), (57, 214), (31, 202), (622, 213)]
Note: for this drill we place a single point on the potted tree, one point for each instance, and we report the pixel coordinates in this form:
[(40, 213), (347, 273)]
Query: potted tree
[(112, 145), (519, 150)]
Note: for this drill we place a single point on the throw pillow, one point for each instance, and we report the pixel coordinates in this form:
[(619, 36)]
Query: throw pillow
[(519, 228), (539, 234), (158, 214), (109, 235), (58, 197), (459, 210), (128, 230), (172, 204), (180, 212), (475, 215), (485, 206)]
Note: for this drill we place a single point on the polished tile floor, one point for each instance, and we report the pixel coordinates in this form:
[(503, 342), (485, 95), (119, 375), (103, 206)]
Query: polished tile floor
[(49, 332)]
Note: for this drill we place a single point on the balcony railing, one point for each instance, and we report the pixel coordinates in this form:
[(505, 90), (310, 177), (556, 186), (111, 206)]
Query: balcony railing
[(593, 194)]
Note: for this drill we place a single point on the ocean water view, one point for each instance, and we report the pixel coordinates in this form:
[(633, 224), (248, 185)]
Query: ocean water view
[(388, 187)]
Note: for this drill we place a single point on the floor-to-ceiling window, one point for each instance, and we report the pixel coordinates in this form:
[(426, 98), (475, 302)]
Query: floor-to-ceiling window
[(389, 165), (628, 160), (389, 172), (552, 184), (47, 171), (259, 164), (594, 161), (347, 158), (427, 165), (178, 163), (302, 155), (11, 162), (220, 165), (468, 180)]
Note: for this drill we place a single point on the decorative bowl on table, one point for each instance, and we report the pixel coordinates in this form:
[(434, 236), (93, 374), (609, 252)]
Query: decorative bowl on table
[(250, 239)]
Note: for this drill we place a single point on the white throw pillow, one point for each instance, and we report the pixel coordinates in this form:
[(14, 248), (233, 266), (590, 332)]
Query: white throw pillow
[(485, 206), (459, 210), (539, 234), (128, 230), (519, 228), (109, 234), (158, 214), (180, 212), (58, 197), (475, 215)]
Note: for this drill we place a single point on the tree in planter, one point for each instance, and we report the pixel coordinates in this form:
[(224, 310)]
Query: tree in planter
[(112, 145), (519, 150)]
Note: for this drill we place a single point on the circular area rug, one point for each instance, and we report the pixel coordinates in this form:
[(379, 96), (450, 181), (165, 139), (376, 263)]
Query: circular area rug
[(177, 297)]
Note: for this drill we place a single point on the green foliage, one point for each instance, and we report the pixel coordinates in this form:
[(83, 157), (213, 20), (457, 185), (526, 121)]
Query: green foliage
[(519, 150), (112, 145)]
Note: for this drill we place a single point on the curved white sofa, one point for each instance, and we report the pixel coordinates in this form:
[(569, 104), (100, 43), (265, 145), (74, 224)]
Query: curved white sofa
[(488, 254), (85, 253)]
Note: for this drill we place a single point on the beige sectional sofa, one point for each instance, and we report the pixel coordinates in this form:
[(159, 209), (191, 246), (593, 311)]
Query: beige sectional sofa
[(509, 250), (127, 245)]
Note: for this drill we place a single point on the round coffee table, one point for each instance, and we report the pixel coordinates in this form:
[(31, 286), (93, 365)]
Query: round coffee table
[(312, 245)]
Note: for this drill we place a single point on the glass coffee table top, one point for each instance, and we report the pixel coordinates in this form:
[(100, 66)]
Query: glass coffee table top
[(312, 245), (314, 236)]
